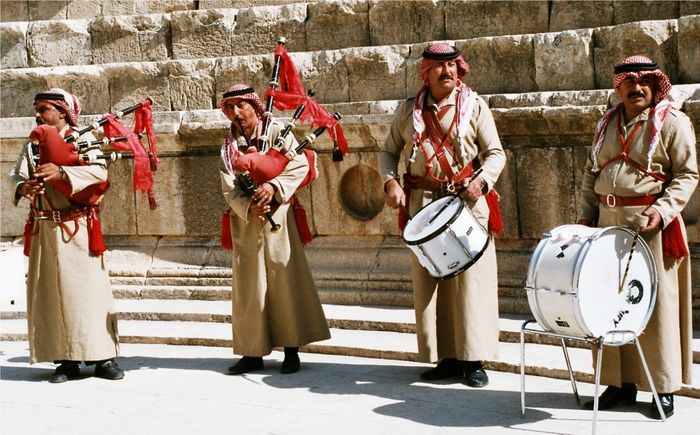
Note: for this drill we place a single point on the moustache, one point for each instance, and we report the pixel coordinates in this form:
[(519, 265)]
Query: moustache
[(446, 76), (636, 94)]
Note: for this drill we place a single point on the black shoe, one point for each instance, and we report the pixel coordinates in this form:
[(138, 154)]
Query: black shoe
[(474, 374), (65, 372), (246, 364), (291, 363), (108, 370), (613, 396), (666, 404), (446, 368)]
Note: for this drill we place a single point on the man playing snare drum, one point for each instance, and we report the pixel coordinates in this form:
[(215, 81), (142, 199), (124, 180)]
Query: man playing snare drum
[(640, 174), (446, 134)]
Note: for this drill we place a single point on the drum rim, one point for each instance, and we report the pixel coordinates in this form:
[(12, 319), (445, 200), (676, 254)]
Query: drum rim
[(441, 229), (466, 265)]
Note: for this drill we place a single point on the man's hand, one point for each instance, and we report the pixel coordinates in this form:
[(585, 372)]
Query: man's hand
[(586, 222), (473, 190), (48, 172), (264, 194), (259, 209), (394, 195), (654, 222), (31, 188)]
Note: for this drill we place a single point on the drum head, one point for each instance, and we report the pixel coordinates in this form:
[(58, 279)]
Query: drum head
[(603, 304), (432, 219)]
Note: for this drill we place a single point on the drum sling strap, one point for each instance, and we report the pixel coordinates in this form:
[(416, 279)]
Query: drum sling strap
[(672, 240)]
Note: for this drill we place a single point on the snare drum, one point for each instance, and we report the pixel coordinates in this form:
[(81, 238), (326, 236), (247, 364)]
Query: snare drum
[(573, 283), (446, 237)]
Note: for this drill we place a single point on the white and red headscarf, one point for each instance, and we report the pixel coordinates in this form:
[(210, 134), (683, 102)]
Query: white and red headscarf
[(641, 66), (440, 52), (65, 102), (243, 92)]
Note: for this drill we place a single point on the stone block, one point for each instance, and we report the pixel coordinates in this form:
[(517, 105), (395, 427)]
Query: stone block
[(118, 209), (82, 9), (339, 24), (559, 98), (191, 84), (506, 186), (330, 208), (130, 38), (11, 10), (203, 128), (688, 8), (251, 70), (167, 6), (47, 10), (580, 157), (564, 60), (66, 42), (210, 4), (13, 45), (124, 7), (18, 90), (325, 73), (12, 218), (544, 205), (626, 11), (500, 64), (202, 33), (580, 14), (413, 21), (656, 39), (88, 83), (258, 28), (472, 19), (689, 49), (377, 73), (191, 185), (130, 83)]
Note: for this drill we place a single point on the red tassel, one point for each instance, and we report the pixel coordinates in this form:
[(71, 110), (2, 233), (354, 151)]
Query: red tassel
[(495, 217), (27, 236), (95, 239), (151, 200), (226, 238), (672, 240), (301, 221)]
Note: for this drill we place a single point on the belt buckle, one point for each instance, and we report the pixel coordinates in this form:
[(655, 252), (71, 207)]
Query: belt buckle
[(56, 216), (610, 200)]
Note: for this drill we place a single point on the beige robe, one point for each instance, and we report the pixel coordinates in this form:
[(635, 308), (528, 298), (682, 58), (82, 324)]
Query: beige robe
[(275, 303), (457, 317), (667, 338), (70, 310)]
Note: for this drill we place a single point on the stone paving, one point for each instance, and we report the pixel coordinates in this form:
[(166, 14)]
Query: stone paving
[(182, 390)]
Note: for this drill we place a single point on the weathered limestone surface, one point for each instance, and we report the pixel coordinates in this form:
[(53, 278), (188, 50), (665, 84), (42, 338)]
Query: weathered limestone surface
[(405, 22), (657, 39), (59, 43), (252, 70), (377, 73), (191, 84), (500, 64), (689, 49), (131, 83), (639, 10), (17, 90), (337, 25), (258, 28), (88, 83), (202, 34), (564, 60), (11, 10), (580, 14), (471, 19), (13, 45), (326, 73), (130, 38)]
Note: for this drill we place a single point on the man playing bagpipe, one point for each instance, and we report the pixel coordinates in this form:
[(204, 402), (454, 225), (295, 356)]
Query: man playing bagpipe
[(70, 310), (275, 303)]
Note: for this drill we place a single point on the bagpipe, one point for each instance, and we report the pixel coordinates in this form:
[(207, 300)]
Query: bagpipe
[(260, 167), (48, 146)]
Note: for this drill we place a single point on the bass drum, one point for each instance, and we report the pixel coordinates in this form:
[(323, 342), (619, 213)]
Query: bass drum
[(573, 283), (446, 237)]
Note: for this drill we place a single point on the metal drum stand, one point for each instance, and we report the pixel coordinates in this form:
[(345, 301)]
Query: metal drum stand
[(599, 342)]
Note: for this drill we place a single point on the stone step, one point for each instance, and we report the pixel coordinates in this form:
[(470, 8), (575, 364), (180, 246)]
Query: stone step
[(541, 359), (359, 72)]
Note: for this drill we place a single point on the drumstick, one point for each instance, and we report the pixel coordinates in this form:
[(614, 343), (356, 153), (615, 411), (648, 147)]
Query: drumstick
[(629, 261), (447, 204)]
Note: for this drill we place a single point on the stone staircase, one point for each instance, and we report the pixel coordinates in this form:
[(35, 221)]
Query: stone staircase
[(543, 67)]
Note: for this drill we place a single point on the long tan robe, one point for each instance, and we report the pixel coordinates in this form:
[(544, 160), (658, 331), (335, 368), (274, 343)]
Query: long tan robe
[(667, 338), (70, 309), (275, 303), (457, 317)]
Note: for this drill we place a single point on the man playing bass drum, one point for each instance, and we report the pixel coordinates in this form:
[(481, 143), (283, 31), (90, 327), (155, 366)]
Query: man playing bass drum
[(275, 303), (70, 310), (445, 134)]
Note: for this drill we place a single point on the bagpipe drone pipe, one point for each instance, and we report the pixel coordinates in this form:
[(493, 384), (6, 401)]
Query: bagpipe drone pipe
[(47, 146)]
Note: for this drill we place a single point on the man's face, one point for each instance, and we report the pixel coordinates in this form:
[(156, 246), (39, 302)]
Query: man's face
[(637, 93), (442, 78), (47, 113), (242, 113)]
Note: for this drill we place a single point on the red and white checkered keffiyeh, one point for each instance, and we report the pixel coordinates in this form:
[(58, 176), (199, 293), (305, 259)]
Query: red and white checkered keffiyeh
[(441, 48), (243, 92), (65, 102), (663, 84)]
